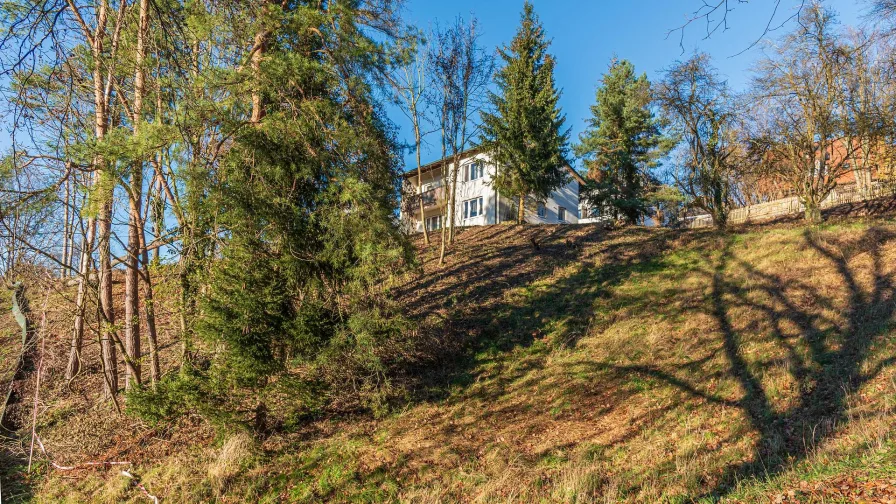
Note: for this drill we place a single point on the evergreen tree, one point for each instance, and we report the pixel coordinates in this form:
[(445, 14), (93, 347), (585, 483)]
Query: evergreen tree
[(524, 131), (622, 143), (303, 201)]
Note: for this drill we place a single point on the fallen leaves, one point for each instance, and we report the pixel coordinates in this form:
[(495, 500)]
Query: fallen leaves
[(841, 489)]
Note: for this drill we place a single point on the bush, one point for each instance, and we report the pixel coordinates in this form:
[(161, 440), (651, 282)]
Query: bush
[(175, 395)]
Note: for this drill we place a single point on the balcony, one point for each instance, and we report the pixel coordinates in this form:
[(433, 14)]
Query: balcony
[(432, 198)]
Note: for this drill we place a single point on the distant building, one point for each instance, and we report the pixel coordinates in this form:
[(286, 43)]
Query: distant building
[(772, 187), (478, 202)]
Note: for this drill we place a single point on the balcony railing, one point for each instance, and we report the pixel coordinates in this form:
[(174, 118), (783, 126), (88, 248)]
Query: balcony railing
[(431, 198)]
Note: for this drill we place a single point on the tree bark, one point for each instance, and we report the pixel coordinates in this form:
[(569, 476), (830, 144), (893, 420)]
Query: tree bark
[(452, 190), (104, 214), (449, 209), (107, 309), (74, 358), (260, 44), (66, 229), (521, 211), (443, 246), (417, 139), (135, 196), (150, 313), (812, 212)]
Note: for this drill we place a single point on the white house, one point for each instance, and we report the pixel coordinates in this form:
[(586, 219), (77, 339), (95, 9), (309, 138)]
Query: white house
[(478, 202)]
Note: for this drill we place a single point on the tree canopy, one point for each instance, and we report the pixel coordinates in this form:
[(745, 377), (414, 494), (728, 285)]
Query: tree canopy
[(622, 143), (524, 132)]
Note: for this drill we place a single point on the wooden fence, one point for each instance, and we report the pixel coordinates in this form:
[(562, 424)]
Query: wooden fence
[(791, 205)]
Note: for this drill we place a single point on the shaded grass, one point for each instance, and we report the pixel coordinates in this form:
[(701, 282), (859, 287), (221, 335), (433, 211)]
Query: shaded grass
[(637, 365), (15, 484)]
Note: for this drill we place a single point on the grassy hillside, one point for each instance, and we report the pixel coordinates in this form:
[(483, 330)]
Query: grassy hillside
[(636, 365), (10, 340)]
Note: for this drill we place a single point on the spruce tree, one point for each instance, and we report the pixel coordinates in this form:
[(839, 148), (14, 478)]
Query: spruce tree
[(523, 133), (622, 143), (303, 201)]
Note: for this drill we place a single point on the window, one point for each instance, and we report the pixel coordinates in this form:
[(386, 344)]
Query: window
[(434, 223), (542, 211), (561, 214), (473, 208), (473, 171)]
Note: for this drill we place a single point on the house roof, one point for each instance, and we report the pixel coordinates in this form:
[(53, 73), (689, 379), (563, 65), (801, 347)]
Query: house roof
[(412, 172)]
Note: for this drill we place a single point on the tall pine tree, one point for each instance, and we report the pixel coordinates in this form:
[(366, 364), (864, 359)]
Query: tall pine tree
[(524, 131), (622, 143), (303, 200)]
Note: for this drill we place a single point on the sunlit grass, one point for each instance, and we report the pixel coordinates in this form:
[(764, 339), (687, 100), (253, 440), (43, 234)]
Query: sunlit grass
[(649, 366)]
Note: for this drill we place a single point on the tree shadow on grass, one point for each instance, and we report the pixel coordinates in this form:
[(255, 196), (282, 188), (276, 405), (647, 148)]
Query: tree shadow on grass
[(821, 332), (500, 298), (14, 487), (837, 350)]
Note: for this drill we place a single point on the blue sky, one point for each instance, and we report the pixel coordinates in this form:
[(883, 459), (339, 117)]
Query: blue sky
[(586, 35)]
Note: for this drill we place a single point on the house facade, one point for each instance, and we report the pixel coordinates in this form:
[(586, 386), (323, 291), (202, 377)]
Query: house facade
[(478, 202)]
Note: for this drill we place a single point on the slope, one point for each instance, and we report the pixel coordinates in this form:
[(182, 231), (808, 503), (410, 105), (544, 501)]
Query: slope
[(574, 364)]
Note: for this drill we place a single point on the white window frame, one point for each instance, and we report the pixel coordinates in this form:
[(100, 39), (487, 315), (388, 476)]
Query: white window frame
[(471, 168), (541, 210), (467, 205), (433, 218), (561, 214)]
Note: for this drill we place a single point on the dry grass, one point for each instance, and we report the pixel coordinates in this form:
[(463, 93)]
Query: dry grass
[(636, 365), (234, 456)]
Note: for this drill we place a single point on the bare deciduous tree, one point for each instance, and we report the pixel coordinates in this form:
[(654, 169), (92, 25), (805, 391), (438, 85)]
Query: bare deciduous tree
[(409, 85), (807, 136), (698, 105), (462, 72)]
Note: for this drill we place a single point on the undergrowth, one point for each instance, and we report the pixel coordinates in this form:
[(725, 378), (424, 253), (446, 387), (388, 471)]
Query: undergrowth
[(636, 365)]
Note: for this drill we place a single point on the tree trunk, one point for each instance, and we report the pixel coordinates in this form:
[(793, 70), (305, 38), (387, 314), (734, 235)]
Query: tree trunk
[(150, 313), (453, 204), (260, 44), (107, 309), (720, 219), (104, 210), (84, 268), (186, 308), (158, 221), (132, 281), (442, 246), (70, 233), (132, 261), (66, 227), (812, 212), (420, 180), (521, 211), (450, 210)]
